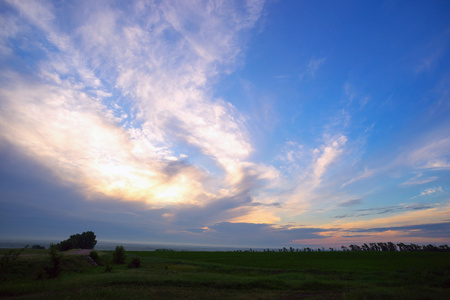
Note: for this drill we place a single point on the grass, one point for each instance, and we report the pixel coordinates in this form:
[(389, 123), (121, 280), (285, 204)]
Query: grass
[(236, 275)]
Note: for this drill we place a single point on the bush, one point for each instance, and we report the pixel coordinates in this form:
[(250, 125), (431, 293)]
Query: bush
[(10, 257), (55, 260), (135, 262), (108, 264), (119, 255), (37, 247), (94, 256)]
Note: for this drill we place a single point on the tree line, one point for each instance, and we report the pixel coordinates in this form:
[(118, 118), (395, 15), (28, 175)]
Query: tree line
[(389, 246)]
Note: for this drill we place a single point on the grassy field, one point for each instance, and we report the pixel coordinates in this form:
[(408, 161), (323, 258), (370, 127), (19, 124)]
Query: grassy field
[(235, 275)]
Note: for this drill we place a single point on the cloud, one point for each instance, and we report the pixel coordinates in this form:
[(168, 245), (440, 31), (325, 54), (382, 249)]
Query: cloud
[(418, 180), (427, 56), (119, 104), (263, 235), (45, 203), (437, 164), (366, 174), (429, 191), (406, 215), (385, 210), (350, 202), (327, 155), (429, 152), (274, 204), (351, 93), (314, 65), (440, 230)]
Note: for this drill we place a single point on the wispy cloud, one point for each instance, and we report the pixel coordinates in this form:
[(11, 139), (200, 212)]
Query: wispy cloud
[(418, 180), (366, 174), (314, 65), (426, 57), (434, 229), (429, 191), (385, 210), (406, 215), (433, 154), (354, 96), (350, 202)]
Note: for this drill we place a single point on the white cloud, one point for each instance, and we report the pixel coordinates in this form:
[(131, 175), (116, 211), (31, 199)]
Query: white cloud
[(437, 164), (327, 155), (429, 191)]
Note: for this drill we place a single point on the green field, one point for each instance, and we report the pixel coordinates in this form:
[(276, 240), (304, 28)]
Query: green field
[(235, 275)]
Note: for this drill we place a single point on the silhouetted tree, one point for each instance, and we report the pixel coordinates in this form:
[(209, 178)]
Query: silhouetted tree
[(65, 245), (389, 246), (86, 240)]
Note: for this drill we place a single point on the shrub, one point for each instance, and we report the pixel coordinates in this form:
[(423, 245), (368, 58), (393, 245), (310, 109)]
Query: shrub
[(37, 247), (55, 260), (119, 255), (94, 256), (108, 264), (135, 262), (10, 257)]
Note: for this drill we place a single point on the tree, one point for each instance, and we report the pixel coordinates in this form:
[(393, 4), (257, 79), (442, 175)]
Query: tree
[(365, 247), (391, 246), (65, 245), (119, 255), (86, 240)]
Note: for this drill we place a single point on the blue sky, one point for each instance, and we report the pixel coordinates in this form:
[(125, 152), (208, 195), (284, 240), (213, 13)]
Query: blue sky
[(240, 123)]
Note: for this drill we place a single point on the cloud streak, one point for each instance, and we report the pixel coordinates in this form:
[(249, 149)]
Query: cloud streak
[(386, 210)]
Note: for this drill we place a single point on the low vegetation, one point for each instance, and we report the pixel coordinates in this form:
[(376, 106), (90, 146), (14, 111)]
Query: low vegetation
[(135, 262), (225, 275)]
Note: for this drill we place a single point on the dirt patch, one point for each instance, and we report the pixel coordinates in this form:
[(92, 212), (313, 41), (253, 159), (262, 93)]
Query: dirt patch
[(78, 252)]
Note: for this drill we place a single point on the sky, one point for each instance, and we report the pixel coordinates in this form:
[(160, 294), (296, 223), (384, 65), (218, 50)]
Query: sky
[(233, 123)]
